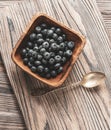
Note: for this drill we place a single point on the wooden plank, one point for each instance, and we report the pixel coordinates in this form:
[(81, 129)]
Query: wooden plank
[(60, 110)]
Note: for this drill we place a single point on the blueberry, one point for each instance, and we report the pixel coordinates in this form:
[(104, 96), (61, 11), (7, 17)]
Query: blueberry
[(58, 31), (51, 41), (45, 45), (29, 65), (47, 39), (54, 36), (31, 59), (25, 61), (54, 46), (49, 33), (44, 32), (62, 46), (64, 36), (43, 25), (50, 49), (70, 45), (40, 68), (32, 36), (30, 52), (52, 54), (37, 63), (60, 69), (60, 39), (66, 48), (42, 50), (23, 52), (53, 28), (48, 76), (39, 36), (63, 60), (30, 45), (33, 69), (38, 29), (57, 58), (51, 61), (36, 48), (57, 65), (46, 70), (39, 57), (40, 47), (44, 61), (46, 55), (60, 53), (40, 41), (53, 73), (68, 53), (34, 54), (27, 49)]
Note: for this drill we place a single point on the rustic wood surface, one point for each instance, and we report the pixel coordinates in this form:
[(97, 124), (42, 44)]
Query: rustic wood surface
[(80, 109)]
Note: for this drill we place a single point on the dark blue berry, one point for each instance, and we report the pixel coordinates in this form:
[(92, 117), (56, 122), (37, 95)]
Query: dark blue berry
[(25, 61), (60, 69), (40, 68), (64, 36), (37, 63), (51, 61), (45, 45), (43, 25), (68, 53), (46, 55), (38, 29), (53, 28), (70, 45), (57, 58), (39, 36), (34, 54), (62, 46), (42, 50), (31, 59), (44, 32), (39, 57), (46, 70), (40, 41), (30, 52), (57, 65), (48, 76), (44, 61), (63, 60), (32, 36), (59, 39), (51, 41), (29, 65), (36, 48), (54, 46), (33, 69), (30, 45), (23, 52), (54, 36), (53, 73), (49, 33), (47, 39), (60, 53), (58, 31), (52, 54)]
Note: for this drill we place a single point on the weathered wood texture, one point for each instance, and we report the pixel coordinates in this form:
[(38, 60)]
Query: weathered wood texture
[(80, 109)]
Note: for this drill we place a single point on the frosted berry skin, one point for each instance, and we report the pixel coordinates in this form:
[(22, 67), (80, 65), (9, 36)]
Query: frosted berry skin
[(47, 50)]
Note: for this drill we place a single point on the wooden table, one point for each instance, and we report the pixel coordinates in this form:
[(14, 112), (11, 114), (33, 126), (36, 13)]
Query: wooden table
[(10, 114)]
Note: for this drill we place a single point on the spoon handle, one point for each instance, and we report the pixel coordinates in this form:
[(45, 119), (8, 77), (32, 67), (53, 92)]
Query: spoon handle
[(42, 92)]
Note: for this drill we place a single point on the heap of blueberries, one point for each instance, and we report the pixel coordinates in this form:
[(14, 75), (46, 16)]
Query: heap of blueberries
[(47, 50)]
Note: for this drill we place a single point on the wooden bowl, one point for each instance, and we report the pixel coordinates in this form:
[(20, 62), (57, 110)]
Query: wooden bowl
[(71, 35)]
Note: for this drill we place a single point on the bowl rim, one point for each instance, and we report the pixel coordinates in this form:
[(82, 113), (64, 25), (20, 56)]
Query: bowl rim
[(35, 17)]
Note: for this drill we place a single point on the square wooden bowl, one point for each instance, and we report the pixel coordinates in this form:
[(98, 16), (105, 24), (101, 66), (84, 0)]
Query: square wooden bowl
[(71, 35)]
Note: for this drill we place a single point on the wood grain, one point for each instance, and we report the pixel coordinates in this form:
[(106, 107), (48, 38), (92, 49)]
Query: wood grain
[(65, 110)]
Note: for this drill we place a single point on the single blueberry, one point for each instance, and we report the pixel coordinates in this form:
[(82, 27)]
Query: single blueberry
[(43, 25), (30, 45), (37, 63), (68, 53), (60, 69), (53, 28), (53, 73), (49, 33), (39, 57), (46, 70), (57, 65), (70, 44), (58, 31), (46, 55), (33, 69), (25, 61), (59, 39), (40, 41), (38, 29), (31, 59), (40, 68), (48, 75), (44, 61), (39, 36), (62, 46), (42, 50), (57, 58), (51, 61), (45, 45), (32, 36), (54, 36), (44, 32)]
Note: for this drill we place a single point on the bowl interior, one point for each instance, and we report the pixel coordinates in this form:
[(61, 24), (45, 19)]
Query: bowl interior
[(71, 35)]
